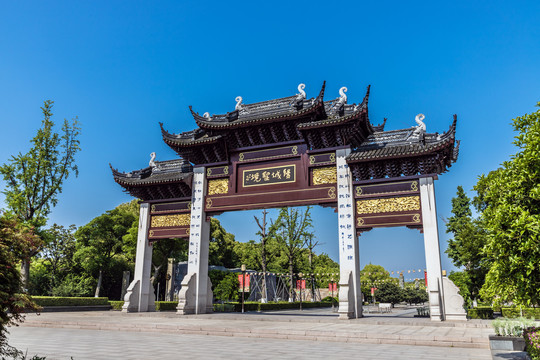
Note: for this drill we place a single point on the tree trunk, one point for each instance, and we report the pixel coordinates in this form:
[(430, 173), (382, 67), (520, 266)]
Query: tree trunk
[(98, 287), (25, 274), (291, 288)]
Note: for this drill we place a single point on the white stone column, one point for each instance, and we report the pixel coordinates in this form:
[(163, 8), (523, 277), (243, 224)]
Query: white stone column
[(195, 296), (140, 294), (350, 295), (432, 250)]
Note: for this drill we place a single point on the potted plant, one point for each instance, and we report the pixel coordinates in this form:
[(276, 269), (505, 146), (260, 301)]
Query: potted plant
[(509, 333)]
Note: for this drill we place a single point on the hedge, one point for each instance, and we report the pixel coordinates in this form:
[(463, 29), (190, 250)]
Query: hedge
[(69, 301), (282, 305), (166, 305), (515, 312), (116, 305), (480, 312)]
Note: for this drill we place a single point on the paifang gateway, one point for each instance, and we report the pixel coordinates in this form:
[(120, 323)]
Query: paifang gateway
[(290, 151)]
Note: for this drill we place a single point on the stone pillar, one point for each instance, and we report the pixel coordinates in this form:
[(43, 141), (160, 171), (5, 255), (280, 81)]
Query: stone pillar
[(194, 298), (432, 250), (169, 281), (140, 293), (350, 295)]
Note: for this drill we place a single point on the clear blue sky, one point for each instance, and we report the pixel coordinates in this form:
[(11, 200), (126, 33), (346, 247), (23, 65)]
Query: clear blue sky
[(122, 67)]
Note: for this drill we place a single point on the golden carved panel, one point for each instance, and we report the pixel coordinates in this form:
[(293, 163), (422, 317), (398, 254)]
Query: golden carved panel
[(170, 220), (324, 175), (384, 205), (218, 186)]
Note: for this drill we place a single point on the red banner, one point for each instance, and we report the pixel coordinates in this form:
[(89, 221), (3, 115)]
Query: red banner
[(425, 277), (300, 284), (243, 287), (332, 287), (373, 291)]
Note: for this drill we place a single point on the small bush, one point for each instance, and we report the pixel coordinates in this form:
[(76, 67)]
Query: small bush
[(224, 307), (69, 301), (480, 312), (511, 327), (116, 305), (532, 340), (166, 305), (515, 312)]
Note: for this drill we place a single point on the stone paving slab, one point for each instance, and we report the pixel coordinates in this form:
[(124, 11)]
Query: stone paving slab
[(83, 344), (305, 327)]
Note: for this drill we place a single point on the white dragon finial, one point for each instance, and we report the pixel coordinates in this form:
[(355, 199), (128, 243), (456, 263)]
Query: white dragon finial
[(342, 97), (301, 93), (152, 158), (238, 103), (421, 128), (207, 115)]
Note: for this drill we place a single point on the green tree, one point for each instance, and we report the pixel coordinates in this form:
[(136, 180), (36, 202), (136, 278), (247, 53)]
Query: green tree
[(389, 292), (221, 248), (372, 276), (16, 240), (34, 180), (292, 231), (509, 199), (99, 241), (465, 249), (58, 252)]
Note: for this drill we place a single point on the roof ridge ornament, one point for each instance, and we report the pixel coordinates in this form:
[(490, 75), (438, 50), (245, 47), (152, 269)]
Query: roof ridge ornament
[(152, 163), (207, 115), (239, 105), (420, 129), (301, 93), (342, 96)]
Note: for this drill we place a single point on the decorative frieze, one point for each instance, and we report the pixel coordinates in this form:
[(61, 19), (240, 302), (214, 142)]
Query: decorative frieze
[(170, 220), (388, 205), (218, 186), (324, 175)]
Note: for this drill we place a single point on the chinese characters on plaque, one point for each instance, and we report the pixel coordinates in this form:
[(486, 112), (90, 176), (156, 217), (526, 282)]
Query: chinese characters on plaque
[(269, 176)]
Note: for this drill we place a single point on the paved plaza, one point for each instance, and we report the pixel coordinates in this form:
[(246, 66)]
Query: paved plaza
[(313, 334), (106, 344)]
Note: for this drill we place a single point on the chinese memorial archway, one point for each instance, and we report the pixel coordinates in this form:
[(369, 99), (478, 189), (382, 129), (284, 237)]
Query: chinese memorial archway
[(291, 151)]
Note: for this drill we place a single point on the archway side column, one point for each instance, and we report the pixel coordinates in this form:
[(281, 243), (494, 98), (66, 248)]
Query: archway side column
[(432, 249), (140, 293), (350, 295), (195, 296)]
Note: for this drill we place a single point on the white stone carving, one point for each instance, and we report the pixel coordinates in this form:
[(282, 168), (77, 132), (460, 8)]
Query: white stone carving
[(152, 158), (187, 295), (207, 115), (238, 103), (301, 93), (421, 127), (453, 301)]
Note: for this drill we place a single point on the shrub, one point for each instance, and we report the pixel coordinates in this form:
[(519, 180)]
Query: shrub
[(116, 305), (166, 305), (518, 312), (480, 312), (511, 327), (532, 341), (69, 301)]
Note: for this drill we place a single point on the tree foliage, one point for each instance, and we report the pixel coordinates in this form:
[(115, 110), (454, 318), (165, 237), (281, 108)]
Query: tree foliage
[(465, 249), (372, 275), (509, 199), (34, 180), (16, 239)]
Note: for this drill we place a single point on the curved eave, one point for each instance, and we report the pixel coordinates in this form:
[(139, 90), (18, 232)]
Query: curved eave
[(204, 123), (401, 151), (124, 180), (334, 121), (256, 121), (173, 140)]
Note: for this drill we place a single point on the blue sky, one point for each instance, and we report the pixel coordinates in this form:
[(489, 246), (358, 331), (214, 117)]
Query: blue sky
[(122, 67)]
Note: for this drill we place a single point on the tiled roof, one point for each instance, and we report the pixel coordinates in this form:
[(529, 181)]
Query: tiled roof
[(164, 172)]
